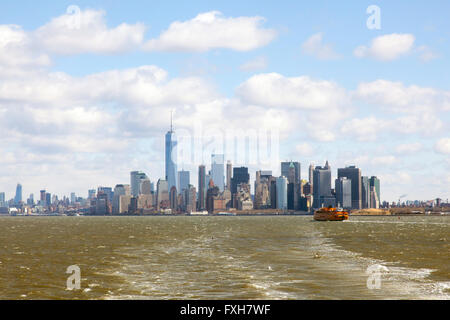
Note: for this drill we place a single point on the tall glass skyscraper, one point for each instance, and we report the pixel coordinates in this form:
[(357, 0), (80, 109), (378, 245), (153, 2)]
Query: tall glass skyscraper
[(171, 158), (217, 170), (18, 196)]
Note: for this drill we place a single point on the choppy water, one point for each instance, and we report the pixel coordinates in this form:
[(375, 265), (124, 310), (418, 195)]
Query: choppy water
[(224, 257)]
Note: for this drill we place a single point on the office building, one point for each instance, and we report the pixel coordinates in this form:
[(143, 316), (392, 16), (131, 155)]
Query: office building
[(18, 196), (202, 183), (354, 174), (286, 167), (343, 188), (217, 171), (282, 195), (171, 157), (183, 180), (322, 196)]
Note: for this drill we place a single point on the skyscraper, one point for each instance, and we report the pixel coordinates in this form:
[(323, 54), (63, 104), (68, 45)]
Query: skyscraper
[(2, 199), (229, 169), (285, 167), (217, 170), (282, 196), (365, 192), (354, 174), (322, 187), (344, 192), (202, 183), (311, 173), (375, 183), (171, 157), (136, 178), (183, 180), (18, 196), (240, 175)]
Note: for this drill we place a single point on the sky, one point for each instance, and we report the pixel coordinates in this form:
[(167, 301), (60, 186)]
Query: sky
[(87, 88)]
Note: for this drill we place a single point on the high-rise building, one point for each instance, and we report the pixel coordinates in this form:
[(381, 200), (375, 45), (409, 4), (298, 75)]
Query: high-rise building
[(354, 174), (73, 198), (120, 190), (48, 199), (374, 200), (375, 183), (18, 196), (173, 199), (229, 169), (282, 195), (42, 197), (162, 194), (171, 157), (108, 192), (344, 192), (365, 192), (311, 174), (202, 183), (2, 200), (240, 175), (183, 180), (322, 187), (217, 170), (285, 168), (145, 187), (136, 178), (91, 194)]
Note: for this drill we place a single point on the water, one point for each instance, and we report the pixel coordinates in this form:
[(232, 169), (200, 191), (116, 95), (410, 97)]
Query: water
[(224, 257)]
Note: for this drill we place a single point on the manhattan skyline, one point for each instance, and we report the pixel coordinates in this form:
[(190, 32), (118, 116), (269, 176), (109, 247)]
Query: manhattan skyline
[(84, 105)]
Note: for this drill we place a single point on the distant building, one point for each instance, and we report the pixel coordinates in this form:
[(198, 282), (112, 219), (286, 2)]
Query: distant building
[(365, 192), (344, 193), (202, 183), (183, 180), (229, 175), (285, 169), (162, 195), (322, 187), (375, 183), (240, 175), (354, 174), (119, 191), (217, 170), (171, 158), (145, 187), (282, 196), (136, 177), (18, 196)]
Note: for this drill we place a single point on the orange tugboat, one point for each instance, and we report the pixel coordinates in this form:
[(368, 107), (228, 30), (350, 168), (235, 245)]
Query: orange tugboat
[(330, 214)]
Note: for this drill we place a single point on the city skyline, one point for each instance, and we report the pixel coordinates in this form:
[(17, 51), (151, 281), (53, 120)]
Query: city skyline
[(84, 102)]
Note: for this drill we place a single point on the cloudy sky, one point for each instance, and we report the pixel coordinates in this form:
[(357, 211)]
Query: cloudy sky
[(86, 88)]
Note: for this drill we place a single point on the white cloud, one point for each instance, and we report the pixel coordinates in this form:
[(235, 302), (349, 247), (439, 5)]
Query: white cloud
[(395, 96), (16, 50), (387, 48), (409, 148), (89, 34), (314, 47), (305, 149), (257, 64), (383, 160), (365, 129), (211, 30), (443, 146), (275, 90), (426, 54)]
